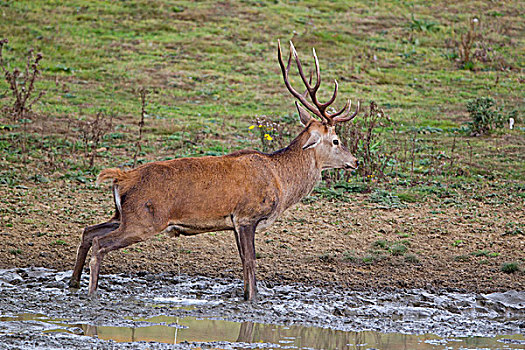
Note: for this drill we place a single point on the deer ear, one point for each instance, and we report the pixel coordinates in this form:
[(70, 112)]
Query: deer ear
[(304, 116), (314, 140)]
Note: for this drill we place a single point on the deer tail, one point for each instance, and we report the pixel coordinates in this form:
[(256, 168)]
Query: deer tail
[(111, 174)]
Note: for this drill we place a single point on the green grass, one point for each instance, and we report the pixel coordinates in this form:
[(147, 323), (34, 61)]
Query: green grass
[(212, 68)]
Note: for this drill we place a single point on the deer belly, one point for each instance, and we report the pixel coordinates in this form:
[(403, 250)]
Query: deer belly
[(196, 226)]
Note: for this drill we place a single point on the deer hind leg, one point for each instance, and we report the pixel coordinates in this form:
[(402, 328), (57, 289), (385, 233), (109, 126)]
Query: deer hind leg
[(87, 238), (122, 237), (245, 238)]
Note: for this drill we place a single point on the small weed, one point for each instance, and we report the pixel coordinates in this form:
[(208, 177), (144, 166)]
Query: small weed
[(92, 132), (370, 259), (350, 255), (467, 44), (398, 249), (510, 267), (408, 197), (386, 199), (462, 258), (481, 253), (411, 258), (367, 141), (272, 135), (457, 243), (423, 25), (22, 84), (138, 145), (59, 242), (16, 251), (381, 243)]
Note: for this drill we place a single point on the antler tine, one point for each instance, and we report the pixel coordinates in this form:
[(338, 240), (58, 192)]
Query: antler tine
[(308, 85), (345, 117), (319, 109), (332, 99), (305, 93), (299, 96), (317, 70), (313, 90), (346, 109)]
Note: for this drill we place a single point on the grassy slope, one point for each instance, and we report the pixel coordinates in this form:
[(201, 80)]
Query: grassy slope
[(213, 66)]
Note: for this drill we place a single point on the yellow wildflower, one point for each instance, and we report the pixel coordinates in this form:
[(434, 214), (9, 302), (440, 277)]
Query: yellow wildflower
[(251, 127)]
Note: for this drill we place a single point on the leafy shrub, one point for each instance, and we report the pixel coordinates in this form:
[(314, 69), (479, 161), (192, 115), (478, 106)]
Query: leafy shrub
[(366, 139), (486, 116)]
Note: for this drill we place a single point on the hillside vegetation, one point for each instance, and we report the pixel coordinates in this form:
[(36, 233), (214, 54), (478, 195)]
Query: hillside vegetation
[(121, 83)]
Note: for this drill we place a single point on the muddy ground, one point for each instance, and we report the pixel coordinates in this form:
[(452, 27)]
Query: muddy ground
[(39, 310), (458, 243)]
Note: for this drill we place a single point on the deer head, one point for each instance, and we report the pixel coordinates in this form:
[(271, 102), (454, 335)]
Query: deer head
[(320, 135)]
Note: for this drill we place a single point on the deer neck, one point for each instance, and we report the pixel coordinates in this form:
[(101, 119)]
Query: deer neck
[(299, 170)]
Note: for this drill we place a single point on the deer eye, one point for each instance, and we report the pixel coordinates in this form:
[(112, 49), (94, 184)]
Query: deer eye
[(336, 142)]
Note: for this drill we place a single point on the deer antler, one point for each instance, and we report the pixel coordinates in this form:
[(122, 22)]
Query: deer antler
[(317, 108)]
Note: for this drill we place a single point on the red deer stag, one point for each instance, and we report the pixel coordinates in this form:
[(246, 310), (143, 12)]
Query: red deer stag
[(242, 191)]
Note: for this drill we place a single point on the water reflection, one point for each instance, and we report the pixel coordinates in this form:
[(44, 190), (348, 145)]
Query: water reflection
[(173, 330), (190, 329)]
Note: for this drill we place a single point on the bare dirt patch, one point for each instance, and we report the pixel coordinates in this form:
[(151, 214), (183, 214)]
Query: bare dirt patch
[(355, 244)]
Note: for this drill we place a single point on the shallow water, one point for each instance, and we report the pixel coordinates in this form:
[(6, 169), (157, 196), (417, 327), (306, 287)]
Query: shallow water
[(37, 309)]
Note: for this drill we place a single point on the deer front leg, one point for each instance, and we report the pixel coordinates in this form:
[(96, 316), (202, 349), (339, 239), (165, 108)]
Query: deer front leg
[(246, 245), (87, 239)]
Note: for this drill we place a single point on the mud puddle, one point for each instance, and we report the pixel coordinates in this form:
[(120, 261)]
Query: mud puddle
[(38, 310)]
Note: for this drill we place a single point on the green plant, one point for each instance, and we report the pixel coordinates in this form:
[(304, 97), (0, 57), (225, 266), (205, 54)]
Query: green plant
[(385, 199), (481, 253), (271, 134), (398, 249), (92, 132), (411, 258), (484, 115), (22, 84), (457, 243), (467, 43), (381, 243), (15, 251), (510, 267), (59, 242), (370, 259), (143, 92), (423, 25), (462, 258), (513, 228), (367, 141), (350, 255)]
